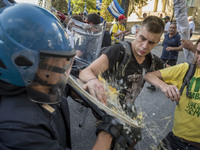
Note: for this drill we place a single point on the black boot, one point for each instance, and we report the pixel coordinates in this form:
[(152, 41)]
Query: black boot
[(151, 87)]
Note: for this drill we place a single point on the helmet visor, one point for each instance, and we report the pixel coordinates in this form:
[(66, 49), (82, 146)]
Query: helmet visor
[(50, 79)]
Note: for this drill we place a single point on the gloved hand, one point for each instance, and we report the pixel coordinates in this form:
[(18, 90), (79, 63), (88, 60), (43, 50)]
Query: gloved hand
[(114, 127)]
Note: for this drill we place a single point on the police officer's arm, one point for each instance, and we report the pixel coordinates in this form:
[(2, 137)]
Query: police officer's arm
[(111, 131), (89, 76), (170, 91), (103, 142)]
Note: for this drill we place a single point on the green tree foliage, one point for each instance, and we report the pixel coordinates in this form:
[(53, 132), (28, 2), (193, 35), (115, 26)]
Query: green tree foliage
[(78, 6), (60, 5), (104, 11)]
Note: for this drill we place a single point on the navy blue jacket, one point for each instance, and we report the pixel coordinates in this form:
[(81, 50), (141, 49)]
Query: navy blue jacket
[(26, 125)]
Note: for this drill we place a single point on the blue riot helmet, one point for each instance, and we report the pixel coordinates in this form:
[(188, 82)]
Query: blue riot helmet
[(34, 51)]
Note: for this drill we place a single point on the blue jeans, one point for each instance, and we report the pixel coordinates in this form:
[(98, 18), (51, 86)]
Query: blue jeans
[(171, 142), (170, 62)]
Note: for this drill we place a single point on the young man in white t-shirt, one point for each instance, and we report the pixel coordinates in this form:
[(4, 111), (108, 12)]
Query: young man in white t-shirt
[(167, 24), (191, 25)]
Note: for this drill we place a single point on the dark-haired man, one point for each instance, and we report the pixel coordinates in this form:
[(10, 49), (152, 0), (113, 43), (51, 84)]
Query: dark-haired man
[(130, 77), (93, 19), (91, 43)]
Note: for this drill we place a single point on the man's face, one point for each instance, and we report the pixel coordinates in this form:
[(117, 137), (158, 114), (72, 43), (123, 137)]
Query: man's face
[(51, 72), (66, 19), (50, 80), (145, 41), (124, 21), (198, 55), (166, 20), (172, 29)]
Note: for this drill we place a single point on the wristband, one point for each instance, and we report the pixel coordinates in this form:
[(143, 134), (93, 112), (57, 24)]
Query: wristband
[(91, 79)]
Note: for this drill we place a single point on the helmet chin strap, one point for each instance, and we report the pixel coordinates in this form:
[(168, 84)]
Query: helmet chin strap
[(39, 97)]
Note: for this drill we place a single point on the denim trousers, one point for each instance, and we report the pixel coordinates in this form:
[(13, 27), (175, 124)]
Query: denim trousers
[(171, 142)]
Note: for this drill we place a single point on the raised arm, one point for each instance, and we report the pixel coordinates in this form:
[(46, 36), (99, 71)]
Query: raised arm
[(125, 32), (187, 44), (170, 91), (89, 76)]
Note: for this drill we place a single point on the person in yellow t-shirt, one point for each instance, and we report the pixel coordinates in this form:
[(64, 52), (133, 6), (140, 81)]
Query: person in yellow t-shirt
[(185, 133), (118, 30)]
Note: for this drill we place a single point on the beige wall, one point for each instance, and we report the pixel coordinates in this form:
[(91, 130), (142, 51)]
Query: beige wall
[(197, 18), (128, 25), (193, 11)]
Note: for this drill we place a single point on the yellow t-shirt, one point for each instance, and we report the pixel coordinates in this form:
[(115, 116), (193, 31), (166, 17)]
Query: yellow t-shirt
[(187, 113), (116, 29)]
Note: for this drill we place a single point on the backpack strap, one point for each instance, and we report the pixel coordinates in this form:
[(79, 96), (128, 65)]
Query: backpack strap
[(127, 54), (111, 33), (188, 76)]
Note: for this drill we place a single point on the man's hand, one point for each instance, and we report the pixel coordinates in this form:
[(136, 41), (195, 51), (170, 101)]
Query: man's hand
[(187, 44), (172, 92), (127, 32), (96, 89), (169, 48)]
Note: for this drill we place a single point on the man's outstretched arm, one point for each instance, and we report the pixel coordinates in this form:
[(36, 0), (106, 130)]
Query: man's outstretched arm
[(103, 141), (89, 76), (170, 91)]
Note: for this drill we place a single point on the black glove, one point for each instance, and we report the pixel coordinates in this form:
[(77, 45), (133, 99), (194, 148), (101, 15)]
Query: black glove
[(114, 127)]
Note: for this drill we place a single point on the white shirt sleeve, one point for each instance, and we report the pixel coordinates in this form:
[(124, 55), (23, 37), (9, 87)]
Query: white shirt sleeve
[(167, 26), (192, 25)]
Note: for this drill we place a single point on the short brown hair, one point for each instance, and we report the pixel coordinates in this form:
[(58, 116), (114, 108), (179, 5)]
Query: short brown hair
[(153, 24), (76, 17), (93, 18)]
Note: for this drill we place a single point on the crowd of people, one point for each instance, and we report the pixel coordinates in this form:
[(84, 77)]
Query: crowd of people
[(37, 55)]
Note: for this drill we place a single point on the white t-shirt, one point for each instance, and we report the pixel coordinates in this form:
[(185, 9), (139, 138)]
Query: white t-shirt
[(192, 25), (167, 27)]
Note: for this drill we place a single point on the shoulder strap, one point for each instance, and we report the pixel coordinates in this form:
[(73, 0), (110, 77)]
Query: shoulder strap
[(112, 29), (117, 25), (127, 53), (188, 76)]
